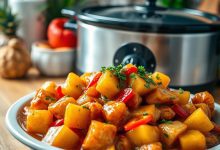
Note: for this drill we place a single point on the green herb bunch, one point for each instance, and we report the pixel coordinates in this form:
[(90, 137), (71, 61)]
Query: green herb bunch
[(118, 72)]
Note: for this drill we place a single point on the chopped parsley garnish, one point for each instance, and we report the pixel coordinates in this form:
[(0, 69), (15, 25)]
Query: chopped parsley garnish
[(133, 76), (158, 77), (142, 73), (145, 114), (106, 122), (159, 83), (85, 107), (165, 135), (104, 98), (116, 70), (166, 121), (103, 69), (172, 97), (157, 104), (50, 98), (181, 91)]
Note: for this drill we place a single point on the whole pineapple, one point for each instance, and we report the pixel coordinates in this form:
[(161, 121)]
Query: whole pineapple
[(14, 56), (8, 25)]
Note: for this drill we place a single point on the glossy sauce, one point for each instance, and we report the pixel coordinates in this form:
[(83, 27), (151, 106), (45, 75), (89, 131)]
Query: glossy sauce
[(22, 117)]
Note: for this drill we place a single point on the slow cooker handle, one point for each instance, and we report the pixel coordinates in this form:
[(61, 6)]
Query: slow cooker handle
[(71, 24), (68, 13), (151, 3)]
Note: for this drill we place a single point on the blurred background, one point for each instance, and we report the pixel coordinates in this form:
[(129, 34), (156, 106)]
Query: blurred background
[(38, 43), (35, 27)]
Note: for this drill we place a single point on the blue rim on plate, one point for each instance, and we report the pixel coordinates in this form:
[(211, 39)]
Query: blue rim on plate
[(16, 130)]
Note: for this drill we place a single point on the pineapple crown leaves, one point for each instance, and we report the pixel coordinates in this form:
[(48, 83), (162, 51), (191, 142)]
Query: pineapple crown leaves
[(8, 21)]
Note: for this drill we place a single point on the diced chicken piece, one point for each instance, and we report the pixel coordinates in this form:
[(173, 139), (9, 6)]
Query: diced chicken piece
[(161, 96), (115, 112), (58, 108), (189, 108), (85, 99), (166, 113), (95, 110), (99, 136), (135, 101), (171, 131), (153, 146), (211, 140), (122, 143), (148, 109), (42, 99), (204, 97)]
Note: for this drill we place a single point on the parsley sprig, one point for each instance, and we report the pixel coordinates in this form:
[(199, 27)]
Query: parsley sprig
[(166, 121), (142, 73), (116, 70), (181, 91)]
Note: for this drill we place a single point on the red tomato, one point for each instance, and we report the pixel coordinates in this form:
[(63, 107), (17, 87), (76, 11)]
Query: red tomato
[(58, 36)]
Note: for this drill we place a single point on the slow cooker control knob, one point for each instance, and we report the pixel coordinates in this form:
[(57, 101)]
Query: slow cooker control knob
[(136, 54)]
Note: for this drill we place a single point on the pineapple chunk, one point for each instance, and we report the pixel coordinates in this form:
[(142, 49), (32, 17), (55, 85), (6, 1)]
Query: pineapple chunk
[(86, 77), (62, 137), (58, 108), (192, 140), (161, 78), (139, 85), (144, 134), (149, 109), (49, 86), (183, 96), (39, 121), (73, 86), (198, 120), (112, 147), (170, 132), (161, 96), (108, 85), (77, 116)]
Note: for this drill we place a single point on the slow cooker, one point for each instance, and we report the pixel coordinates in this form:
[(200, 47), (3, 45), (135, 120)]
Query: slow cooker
[(182, 43)]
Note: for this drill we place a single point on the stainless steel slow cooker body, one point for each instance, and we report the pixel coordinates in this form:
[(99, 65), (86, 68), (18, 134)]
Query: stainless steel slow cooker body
[(189, 59), (181, 43)]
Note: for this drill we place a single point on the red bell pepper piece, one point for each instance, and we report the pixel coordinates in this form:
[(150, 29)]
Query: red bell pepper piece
[(59, 92), (130, 70), (94, 80), (135, 123), (180, 111), (125, 95), (57, 123)]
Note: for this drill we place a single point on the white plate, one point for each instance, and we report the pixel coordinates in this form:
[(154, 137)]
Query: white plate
[(16, 130)]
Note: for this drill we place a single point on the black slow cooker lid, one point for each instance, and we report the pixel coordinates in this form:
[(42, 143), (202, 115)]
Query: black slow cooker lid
[(151, 18)]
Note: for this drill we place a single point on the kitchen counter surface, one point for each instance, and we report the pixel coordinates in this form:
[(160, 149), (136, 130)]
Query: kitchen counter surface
[(11, 90)]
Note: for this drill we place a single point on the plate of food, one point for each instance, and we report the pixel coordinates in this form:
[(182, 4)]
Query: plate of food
[(116, 108)]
